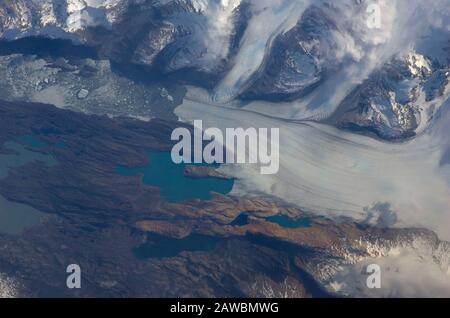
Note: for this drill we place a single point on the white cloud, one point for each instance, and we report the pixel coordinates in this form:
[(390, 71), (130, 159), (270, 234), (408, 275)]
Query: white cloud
[(418, 270)]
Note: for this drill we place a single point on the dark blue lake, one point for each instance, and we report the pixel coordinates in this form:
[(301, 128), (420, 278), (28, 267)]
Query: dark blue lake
[(281, 220), (162, 247), (174, 185), (287, 222)]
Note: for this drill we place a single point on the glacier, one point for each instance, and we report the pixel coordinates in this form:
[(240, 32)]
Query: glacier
[(326, 170), (323, 169)]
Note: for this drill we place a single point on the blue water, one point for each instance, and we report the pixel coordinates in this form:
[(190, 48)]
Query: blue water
[(162, 247), (35, 142), (19, 156), (32, 141), (43, 47), (174, 185), (60, 145), (16, 217), (241, 220), (287, 222), (281, 220)]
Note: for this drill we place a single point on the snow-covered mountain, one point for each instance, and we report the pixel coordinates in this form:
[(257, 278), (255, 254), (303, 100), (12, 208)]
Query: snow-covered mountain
[(310, 68), (194, 34), (412, 265), (397, 100), (389, 80)]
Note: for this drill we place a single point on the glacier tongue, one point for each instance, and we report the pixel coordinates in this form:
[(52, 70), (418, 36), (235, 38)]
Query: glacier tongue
[(263, 28), (329, 171)]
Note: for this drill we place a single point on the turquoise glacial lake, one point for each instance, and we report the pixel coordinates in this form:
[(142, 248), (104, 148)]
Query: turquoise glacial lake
[(175, 186)]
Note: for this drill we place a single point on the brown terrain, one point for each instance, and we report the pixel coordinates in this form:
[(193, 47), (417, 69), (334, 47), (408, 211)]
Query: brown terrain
[(129, 241)]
